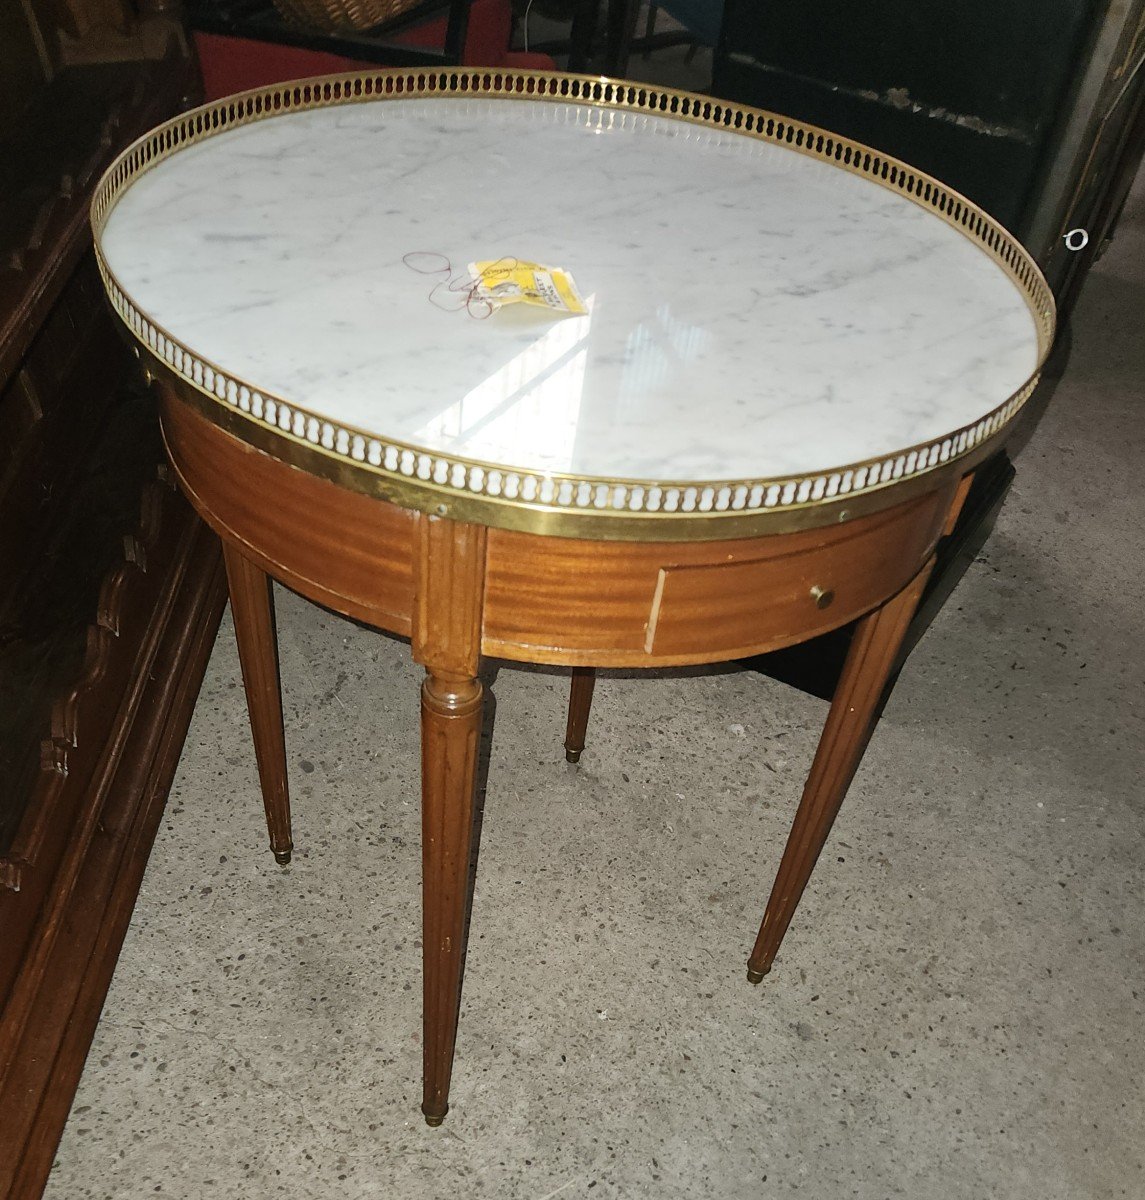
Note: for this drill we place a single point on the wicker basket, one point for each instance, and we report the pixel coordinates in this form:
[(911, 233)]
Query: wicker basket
[(331, 15)]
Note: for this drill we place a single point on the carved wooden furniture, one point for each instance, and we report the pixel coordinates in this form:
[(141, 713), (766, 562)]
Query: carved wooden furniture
[(111, 588), (647, 485)]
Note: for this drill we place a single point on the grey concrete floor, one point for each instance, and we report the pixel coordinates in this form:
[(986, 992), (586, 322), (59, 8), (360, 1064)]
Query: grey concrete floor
[(957, 1011)]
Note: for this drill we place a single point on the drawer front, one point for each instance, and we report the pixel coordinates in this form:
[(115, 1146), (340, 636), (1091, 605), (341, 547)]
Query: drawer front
[(611, 604)]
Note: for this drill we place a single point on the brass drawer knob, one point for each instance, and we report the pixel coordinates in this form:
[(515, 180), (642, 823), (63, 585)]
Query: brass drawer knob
[(822, 596)]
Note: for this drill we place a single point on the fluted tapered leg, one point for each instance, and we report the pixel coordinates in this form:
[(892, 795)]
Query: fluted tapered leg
[(848, 729), (252, 607), (580, 704), (449, 583), (450, 732)]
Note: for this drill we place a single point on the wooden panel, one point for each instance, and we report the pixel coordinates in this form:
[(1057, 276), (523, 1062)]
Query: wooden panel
[(63, 933), (53, 413), (82, 719), (20, 411), (564, 600), (50, 161), (109, 635), (70, 489), (450, 558), (336, 547), (23, 62)]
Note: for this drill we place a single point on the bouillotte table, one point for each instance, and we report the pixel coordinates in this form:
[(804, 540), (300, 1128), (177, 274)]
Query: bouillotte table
[(795, 351)]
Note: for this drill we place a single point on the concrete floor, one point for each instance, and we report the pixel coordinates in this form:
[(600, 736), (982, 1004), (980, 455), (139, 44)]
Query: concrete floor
[(957, 1011)]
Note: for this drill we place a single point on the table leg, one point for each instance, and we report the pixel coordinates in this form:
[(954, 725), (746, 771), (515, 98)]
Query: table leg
[(449, 575), (252, 607), (850, 722), (450, 731), (622, 16), (582, 35), (580, 703)]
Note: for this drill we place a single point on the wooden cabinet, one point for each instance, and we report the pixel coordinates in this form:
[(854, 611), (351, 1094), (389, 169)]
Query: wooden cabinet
[(110, 588)]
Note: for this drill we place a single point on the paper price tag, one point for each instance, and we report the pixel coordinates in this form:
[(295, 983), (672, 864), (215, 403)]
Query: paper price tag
[(511, 281)]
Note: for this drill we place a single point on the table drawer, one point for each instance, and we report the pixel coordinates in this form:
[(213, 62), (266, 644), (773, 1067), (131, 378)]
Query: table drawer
[(563, 600)]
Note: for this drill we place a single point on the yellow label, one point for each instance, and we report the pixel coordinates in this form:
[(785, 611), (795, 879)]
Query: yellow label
[(511, 281)]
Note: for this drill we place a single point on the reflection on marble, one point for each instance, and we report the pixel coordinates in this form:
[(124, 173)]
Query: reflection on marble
[(533, 399), (756, 312)]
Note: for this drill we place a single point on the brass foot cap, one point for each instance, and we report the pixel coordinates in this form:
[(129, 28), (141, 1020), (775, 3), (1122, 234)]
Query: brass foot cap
[(282, 857), (572, 756), (754, 976), (434, 1122)]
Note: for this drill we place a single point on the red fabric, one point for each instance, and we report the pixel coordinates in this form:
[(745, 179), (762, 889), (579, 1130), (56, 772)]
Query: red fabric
[(233, 64), (528, 62)]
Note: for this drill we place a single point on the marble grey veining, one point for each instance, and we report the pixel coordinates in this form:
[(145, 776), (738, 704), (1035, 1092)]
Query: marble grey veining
[(754, 312)]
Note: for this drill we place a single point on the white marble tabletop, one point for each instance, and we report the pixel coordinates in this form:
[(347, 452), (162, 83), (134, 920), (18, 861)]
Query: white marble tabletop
[(754, 312)]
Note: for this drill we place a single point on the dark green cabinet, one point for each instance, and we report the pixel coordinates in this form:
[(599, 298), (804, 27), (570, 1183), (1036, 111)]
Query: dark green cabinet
[(1029, 107)]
